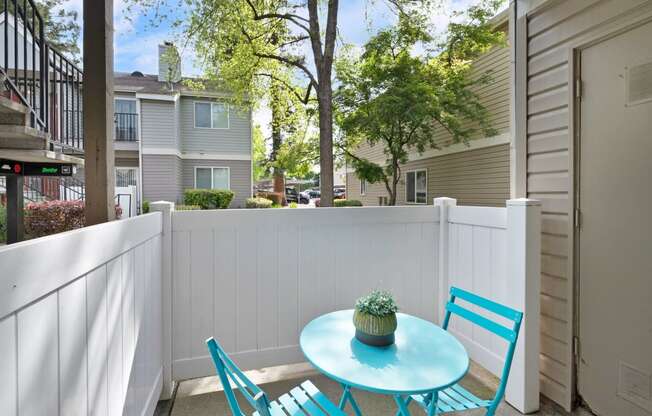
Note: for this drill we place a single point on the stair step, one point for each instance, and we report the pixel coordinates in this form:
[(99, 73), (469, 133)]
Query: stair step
[(22, 137), (8, 106)]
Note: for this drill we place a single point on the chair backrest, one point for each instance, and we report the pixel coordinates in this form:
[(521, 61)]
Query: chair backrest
[(229, 373), (509, 334)]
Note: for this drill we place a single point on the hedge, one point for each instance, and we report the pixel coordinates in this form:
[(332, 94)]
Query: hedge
[(275, 197), (187, 208), (52, 217), (347, 203), (208, 198), (258, 203)]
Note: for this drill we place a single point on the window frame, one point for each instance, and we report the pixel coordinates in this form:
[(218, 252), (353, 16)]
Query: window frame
[(211, 103), (228, 174), (415, 171)]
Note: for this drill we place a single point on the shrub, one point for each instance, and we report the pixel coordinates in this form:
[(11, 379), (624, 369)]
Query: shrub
[(275, 197), (293, 205), (3, 224), (258, 203), (145, 207), (208, 198), (51, 217), (347, 203), (187, 208)]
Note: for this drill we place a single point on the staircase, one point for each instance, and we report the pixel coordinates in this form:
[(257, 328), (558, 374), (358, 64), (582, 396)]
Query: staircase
[(40, 89)]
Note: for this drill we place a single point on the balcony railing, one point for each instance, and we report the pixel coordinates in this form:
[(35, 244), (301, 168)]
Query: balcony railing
[(40, 77), (126, 127)]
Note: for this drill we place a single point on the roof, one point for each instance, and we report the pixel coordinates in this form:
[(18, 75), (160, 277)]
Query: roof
[(149, 84)]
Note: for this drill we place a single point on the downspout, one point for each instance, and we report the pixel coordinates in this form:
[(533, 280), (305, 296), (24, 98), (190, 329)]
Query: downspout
[(141, 196)]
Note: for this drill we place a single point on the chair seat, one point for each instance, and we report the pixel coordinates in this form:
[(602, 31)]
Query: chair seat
[(453, 399), (303, 400)]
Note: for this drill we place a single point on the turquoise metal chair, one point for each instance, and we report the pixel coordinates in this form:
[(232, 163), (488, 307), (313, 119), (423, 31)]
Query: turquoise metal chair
[(457, 398), (302, 400)]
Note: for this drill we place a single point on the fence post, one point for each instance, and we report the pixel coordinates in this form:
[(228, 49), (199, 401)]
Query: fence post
[(524, 265), (166, 208), (444, 205)]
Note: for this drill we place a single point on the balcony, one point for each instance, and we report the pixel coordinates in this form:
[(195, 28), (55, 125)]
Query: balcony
[(110, 317), (126, 127)]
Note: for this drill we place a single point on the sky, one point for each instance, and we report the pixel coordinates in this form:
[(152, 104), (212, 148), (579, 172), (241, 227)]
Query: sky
[(136, 40)]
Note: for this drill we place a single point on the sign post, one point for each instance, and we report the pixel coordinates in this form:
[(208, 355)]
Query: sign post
[(15, 172)]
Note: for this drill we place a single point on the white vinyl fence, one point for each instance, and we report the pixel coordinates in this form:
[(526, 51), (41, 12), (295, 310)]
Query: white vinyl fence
[(254, 278), (80, 321)]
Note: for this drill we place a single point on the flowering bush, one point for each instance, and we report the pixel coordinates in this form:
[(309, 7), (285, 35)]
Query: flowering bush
[(258, 202), (377, 303), (51, 217)]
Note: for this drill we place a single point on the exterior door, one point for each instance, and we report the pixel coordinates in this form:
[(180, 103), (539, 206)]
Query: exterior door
[(615, 236)]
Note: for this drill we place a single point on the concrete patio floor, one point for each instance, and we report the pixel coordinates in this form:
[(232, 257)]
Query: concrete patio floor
[(204, 396)]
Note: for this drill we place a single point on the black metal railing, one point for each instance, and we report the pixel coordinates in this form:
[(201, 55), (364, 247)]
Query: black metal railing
[(126, 127), (50, 188), (41, 78)]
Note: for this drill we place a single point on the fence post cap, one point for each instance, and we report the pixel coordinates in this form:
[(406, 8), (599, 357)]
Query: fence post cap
[(445, 201), (523, 202), (161, 206)]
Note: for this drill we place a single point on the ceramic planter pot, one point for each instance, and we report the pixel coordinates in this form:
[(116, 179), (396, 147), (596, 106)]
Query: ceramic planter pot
[(377, 331)]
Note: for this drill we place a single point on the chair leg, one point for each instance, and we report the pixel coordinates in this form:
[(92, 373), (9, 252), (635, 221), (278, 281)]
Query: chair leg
[(402, 406)]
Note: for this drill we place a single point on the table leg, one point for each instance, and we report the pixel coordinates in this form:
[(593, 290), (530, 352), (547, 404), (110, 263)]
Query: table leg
[(402, 406), (432, 406), (347, 396)]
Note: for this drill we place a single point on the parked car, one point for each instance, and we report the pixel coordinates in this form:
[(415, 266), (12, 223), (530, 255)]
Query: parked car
[(339, 193), (291, 194), (309, 194)]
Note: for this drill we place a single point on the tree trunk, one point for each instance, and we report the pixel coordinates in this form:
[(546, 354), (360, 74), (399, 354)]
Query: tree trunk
[(278, 174), (326, 143)]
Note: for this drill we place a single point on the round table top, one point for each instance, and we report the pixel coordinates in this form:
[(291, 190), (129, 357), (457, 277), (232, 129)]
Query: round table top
[(424, 357)]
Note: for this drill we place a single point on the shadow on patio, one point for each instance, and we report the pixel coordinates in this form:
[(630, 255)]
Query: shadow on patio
[(205, 397)]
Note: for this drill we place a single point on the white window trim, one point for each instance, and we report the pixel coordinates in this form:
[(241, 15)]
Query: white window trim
[(228, 174), (130, 98), (228, 115), (415, 187), (363, 189)]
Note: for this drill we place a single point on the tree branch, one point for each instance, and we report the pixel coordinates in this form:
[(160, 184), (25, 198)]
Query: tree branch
[(291, 62), (294, 18), (303, 99)]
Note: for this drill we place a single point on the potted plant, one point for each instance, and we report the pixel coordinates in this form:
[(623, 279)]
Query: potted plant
[(375, 319)]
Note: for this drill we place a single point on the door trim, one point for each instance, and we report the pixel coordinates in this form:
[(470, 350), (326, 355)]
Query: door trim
[(592, 38)]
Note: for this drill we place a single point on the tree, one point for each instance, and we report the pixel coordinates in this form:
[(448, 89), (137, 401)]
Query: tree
[(277, 32), (396, 99), (62, 28), (259, 154)]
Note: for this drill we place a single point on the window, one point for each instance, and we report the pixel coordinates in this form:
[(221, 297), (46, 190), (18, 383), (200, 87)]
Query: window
[(416, 185), (363, 187), (126, 119), (211, 115), (212, 178), (126, 177)]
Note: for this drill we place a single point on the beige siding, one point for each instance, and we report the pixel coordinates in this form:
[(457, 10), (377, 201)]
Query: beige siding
[(473, 177), (494, 96), (553, 31)]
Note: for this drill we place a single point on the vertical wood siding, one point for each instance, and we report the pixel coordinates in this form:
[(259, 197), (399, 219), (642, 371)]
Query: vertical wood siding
[(552, 33), (84, 339)]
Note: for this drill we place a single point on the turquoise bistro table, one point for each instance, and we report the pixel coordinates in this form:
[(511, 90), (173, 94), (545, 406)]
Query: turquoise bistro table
[(424, 359)]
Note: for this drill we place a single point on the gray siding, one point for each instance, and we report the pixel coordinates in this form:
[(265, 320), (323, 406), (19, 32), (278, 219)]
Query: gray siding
[(495, 96), (553, 30), (126, 162), (473, 177), (240, 175), (158, 124), (162, 178), (234, 140)]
